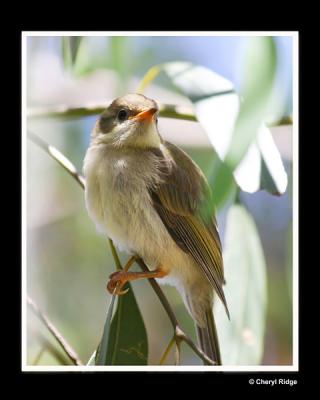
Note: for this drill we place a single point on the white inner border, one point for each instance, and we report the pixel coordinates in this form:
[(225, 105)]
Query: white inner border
[(295, 188)]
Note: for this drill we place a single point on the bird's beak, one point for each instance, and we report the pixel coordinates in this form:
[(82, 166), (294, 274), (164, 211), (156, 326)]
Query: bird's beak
[(146, 115)]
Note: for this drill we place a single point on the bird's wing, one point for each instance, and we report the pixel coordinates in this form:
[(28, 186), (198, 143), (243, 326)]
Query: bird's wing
[(183, 201)]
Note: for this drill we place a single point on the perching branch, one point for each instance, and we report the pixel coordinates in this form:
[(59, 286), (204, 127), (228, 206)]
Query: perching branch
[(160, 294), (54, 331), (179, 334), (165, 111)]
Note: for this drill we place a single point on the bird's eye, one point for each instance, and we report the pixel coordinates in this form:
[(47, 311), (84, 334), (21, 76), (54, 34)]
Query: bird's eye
[(122, 115)]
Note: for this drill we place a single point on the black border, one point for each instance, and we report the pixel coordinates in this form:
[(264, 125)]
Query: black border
[(226, 380)]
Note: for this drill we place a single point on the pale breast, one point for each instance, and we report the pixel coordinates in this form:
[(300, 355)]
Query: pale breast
[(118, 201)]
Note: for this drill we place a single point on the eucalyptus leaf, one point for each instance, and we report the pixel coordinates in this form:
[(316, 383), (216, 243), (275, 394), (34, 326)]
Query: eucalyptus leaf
[(242, 338), (101, 353), (128, 341)]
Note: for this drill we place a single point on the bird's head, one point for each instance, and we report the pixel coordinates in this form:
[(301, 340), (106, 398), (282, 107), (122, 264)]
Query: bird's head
[(130, 121)]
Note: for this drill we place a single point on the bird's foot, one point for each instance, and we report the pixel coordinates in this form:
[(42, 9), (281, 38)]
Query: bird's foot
[(117, 280)]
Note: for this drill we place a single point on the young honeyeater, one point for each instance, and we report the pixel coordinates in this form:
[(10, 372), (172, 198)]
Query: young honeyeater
[(152, 200)]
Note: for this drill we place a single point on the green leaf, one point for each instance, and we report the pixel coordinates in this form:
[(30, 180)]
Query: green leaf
[(70, 47), (102, 349), (128, 341), (91, 56), (242, 338)]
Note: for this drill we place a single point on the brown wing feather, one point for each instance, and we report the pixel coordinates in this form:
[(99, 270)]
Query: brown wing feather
[(182, 200)]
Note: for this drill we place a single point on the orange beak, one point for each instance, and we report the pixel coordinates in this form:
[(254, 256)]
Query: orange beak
[(146, 115)]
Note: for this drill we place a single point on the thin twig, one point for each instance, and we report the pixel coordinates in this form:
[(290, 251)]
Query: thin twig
[(54, 331), (58, 156), (178, 332), (167, 350), (195, 348), (62, 111), (165, 111)]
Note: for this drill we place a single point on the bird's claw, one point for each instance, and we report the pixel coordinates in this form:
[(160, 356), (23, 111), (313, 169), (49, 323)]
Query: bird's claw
[(116, 283)]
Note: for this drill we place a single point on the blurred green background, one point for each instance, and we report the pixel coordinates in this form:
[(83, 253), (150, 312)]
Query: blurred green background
[(68, 262)]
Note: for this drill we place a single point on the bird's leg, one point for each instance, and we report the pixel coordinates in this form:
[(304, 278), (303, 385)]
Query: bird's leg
[(120, 278), (130, 262)]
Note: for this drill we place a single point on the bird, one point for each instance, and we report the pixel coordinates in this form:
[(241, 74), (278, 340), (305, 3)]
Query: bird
[(154, 202)]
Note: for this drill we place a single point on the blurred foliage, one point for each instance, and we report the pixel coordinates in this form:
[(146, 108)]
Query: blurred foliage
[(243, 156), (242, 337), (115, 53), (70, 46)]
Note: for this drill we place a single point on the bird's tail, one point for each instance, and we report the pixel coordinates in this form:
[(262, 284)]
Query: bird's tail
[(208, 338)]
